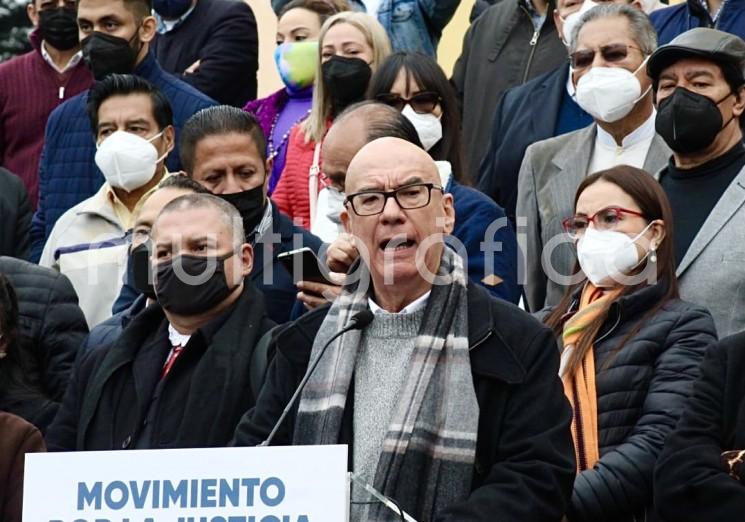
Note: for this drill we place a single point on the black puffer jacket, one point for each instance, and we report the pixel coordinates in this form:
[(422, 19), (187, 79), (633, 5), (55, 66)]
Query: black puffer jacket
[(15, 217), (52, 327), (641, 391)]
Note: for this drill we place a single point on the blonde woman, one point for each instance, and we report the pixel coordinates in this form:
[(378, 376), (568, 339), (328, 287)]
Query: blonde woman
[(351, 47)]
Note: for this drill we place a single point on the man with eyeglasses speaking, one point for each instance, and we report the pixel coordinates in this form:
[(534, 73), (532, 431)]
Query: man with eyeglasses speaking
[(445, 394), (609, 49)]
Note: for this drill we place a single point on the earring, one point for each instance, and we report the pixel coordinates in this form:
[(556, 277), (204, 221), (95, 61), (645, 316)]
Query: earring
[(653, 255)]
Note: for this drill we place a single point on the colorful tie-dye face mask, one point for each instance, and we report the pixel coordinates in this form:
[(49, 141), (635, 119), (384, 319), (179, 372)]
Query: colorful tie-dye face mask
[(296, 63)]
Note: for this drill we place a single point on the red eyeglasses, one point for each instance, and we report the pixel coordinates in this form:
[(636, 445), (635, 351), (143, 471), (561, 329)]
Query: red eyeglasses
[(604, 219)]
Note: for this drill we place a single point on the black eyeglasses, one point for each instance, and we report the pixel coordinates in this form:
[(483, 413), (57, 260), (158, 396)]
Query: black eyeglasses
[(612, 53), (422, 102), (409, 197)]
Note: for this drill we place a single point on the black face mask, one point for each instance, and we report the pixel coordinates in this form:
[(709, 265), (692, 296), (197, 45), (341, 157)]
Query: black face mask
[(171, 9), (106, 54), (138, 270), (59, 28), (192, 297), (689, 122), (346, 80), (250, 205)]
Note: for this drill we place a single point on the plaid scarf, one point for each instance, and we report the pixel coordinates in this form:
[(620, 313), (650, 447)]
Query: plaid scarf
[(427, 458)]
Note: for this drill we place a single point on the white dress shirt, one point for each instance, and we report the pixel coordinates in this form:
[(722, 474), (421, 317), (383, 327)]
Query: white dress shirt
[(414, 306), (48, 58), (633, 150)]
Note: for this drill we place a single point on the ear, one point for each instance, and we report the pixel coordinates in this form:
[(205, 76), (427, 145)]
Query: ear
[(637, 4), (247, 259), (268, 167), (449, 207), (559, 24), (169, 136), (345, 221), (148, 29), (738, 108), (33, 14), (659, 231)]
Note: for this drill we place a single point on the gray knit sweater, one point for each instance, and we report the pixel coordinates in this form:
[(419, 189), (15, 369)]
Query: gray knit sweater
[(386, 347)]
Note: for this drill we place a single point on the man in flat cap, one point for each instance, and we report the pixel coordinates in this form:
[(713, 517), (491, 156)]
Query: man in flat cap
[(699, 81)]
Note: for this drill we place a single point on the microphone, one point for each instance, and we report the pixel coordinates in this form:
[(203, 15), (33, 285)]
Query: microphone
[(358, 322)]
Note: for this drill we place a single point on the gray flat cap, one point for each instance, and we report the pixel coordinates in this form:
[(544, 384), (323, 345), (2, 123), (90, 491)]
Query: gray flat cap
[(714, 45)]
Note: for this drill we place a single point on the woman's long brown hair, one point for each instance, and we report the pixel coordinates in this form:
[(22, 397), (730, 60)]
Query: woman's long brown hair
[(654, 205)]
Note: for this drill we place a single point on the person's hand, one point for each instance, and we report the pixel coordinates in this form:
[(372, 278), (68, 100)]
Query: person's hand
[(193, 67), (313, 294), (341, 253)]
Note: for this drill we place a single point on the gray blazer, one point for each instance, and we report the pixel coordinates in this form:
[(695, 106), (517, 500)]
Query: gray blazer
[(712, 272), (549, 176)]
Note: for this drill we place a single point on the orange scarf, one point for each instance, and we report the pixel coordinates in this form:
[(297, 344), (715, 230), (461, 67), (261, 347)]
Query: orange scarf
[(579, 387)]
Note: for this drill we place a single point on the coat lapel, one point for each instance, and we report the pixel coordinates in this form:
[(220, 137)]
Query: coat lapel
[(265, 250), (572, 161), (730, 202), (658, 156), (120, 354)]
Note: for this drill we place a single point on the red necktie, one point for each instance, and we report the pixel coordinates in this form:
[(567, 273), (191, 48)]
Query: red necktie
[(175, 352)]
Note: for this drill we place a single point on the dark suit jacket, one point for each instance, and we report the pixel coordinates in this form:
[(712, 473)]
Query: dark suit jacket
[(15, 217), (525, 115), (222, 35), (116, 388)]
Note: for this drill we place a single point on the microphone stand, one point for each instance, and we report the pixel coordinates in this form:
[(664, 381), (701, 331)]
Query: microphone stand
[(359, 321)]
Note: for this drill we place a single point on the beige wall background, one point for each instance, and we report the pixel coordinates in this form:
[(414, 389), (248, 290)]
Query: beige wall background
[(449, 50)]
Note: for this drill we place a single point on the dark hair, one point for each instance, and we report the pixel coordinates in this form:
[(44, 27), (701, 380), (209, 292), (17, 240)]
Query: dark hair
[(430, 77), (140, 8), (325, 9), (123, 85), (179, 181), (654, 205), (381, 121), (214, 121)]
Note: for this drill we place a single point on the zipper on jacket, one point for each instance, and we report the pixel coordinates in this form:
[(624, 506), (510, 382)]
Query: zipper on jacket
[(533, 43), (612, 328)]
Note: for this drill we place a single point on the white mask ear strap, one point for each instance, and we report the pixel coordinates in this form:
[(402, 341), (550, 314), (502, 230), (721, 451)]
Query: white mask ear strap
[(155, 138), (644, 231), (150, 140)]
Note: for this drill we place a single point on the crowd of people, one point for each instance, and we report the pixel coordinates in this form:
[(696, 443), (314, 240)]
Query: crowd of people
[(516, 294)]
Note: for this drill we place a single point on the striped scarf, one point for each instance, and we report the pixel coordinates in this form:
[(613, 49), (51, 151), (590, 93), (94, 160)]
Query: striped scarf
[(429, 450), (579, 386)]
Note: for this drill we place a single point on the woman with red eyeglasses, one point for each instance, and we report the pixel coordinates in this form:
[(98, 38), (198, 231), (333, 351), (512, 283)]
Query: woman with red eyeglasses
[(630, 348)]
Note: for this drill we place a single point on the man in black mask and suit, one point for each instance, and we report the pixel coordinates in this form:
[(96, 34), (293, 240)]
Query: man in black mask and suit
[(224, 149), (179, 375)]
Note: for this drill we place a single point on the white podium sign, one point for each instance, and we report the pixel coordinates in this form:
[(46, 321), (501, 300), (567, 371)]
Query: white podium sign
[(271, 484)]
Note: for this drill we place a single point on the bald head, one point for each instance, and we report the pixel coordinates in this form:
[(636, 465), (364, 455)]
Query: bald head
[(354, 128), (394, 156)]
